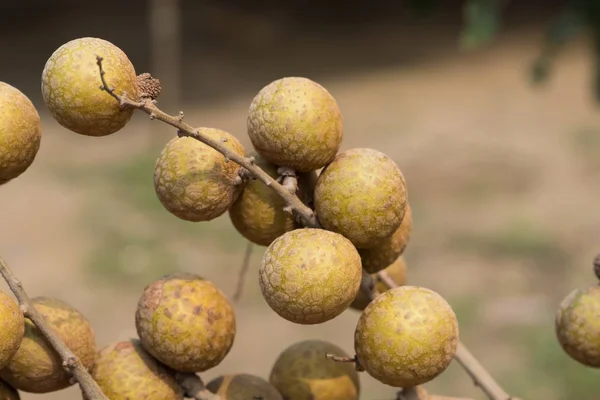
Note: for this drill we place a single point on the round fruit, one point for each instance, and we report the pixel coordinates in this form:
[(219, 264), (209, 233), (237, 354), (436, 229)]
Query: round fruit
[(406, 336), (384, 253), (71, 86), (361, 195), (124, 370), (36, 367), (8, 392), (195, 182), (295, 122), (309, 276), (578, 325), (20, 132), (12, 328), (396, 271), (185, 322), (243, 387), (302, 372)]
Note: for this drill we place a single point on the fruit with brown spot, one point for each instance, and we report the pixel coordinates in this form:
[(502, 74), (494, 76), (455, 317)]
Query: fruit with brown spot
[(243, 387), (12, 328), (8, 392), (396, 271)]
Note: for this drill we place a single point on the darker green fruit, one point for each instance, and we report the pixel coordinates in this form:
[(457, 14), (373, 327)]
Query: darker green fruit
[(243, 387)]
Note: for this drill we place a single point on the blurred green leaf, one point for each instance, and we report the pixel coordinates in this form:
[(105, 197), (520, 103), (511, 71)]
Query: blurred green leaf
[(482, 22)]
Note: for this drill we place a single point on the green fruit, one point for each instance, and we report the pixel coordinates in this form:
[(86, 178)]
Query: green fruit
[(295, 122), (406, 336), (12, 328), (578, 325), (185, 322), (309, 276), (195, 182), (36, 367), (124, 371), (71, 86), (20, 132), (396, 271), (361, 195), (8, 392), (302, 372), (243, 387)]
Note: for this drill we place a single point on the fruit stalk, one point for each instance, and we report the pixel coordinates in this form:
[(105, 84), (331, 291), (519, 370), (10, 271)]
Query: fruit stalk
[(194, 387)]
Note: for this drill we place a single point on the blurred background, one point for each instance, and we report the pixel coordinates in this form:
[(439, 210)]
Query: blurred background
[(502, 174)]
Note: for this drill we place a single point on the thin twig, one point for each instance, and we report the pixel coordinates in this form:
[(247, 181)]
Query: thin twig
[(194, 388), (243, 272)]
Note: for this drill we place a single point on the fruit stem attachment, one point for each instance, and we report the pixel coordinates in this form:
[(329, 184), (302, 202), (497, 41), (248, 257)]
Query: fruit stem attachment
[(344, 359), (194, 388), (70, 361)]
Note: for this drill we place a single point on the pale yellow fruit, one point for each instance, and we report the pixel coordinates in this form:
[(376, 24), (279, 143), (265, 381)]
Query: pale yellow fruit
[(396, 271), (12, 328), (8, 392), (406, 336), (243, 387), (310, 276), (193, 181), (71, 86), (20, 132), (295, 122)]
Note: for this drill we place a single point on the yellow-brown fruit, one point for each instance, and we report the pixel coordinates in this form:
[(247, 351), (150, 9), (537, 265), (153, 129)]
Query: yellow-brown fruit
[(124, 371), (36, 367), (406, 336), (310, 276), (193, 181), (71, 86), (243, 387), (302, 372), (361, 195), (389, 249), (295, 122), (12, 328), (20, 132), (578, 325), (8, 392), (185, 322), (396, 271)]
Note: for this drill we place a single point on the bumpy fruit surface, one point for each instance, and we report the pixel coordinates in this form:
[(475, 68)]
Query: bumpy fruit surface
[(295, 122), (309, 276), (396, 271), (302, 372), (193, 181), (406, 336), (71, 86), (20, 132), (578, 325), (124, 370), (362, 195), (185, 322), (12, 328), (243, 387), (8, 392), (36, 367)]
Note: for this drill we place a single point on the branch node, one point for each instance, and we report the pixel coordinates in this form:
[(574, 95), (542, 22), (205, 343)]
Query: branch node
[(180, 116), (288, 210), (24, 309)]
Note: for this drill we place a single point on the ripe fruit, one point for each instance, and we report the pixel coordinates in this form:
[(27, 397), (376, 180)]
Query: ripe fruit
[(302, 372), (185, 322), (124, 370), (406, 336), (243, 387), (396, 271), (12, 328), (295, 122), (71, 86), (361, 195), (8, 392), (309, 276), (20, 132), (36, 367), (578, 325), (193, 181)]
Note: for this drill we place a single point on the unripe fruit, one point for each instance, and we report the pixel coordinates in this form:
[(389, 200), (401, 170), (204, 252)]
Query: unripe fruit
[(302, 372), (396, 271), (8, 392), (578, 325), (71, 86), (185, 322), (418, 342), (310, 276), (20, 132), (12, 328), (295, 122), (193, 181), (361, 195), (243, 387), (36, 367)]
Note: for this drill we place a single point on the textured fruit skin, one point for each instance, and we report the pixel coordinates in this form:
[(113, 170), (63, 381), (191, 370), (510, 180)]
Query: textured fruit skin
[(36, 367), (362, 195), (310, 276), (185, 322), (295, 122), (396, 271), (71, 86), (124, 371), (8, 392), (193, 181), (12, 328), (243, 387), (578, 325), (389, 249), (301, 372), (406, 336), (20, 132)]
